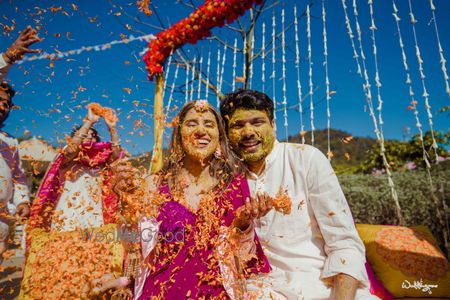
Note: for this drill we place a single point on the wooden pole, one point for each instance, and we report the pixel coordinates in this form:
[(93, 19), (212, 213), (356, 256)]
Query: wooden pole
[(158, 121)]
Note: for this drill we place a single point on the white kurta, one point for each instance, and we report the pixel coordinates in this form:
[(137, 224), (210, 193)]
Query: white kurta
[(4, 67), (318, 239), (80, 203), (13, 185)]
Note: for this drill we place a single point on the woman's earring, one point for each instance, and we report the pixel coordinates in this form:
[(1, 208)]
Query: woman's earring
[(218, 153)]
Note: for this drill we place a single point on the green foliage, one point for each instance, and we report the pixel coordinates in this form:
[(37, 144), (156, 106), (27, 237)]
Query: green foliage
[(348, 151), (399, 153), (370, 199)]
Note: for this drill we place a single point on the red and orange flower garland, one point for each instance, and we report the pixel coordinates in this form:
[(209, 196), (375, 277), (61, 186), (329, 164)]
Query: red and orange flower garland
[(197, 26)]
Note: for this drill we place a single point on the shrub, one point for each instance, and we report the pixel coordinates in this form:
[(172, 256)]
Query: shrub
[(371, 202)]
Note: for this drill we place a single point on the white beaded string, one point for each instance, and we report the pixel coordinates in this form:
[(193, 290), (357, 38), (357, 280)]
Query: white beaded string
[(408, 82), (222, 70), (234, 64), (443, 61), (186, 96), (167, 74), (208, 68), (263, 57), (199, 87), (351, 36), (311, 86), (297, 66), (327, 81), (273, 71), (422, 77), (218, 76), (191, 98), (252, 41), (172, 89), (283, 49)]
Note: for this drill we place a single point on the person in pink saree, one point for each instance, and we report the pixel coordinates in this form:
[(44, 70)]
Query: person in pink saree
[(199, 241)]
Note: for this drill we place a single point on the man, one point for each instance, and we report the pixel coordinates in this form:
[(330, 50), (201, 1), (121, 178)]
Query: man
[(13, 184), (315, 251)]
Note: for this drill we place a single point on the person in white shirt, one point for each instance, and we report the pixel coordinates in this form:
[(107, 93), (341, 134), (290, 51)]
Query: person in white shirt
[(13, 182), (315, 251), (13, 185)]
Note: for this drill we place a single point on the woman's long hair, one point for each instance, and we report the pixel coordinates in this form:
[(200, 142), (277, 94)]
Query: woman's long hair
[(222, 167)]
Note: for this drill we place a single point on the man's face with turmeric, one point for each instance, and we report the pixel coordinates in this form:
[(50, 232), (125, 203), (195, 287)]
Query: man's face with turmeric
[(251, 134)]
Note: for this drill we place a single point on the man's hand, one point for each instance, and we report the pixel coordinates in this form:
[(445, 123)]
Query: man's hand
[(253, 209), (23, 210), (20, 47), (344, 287), (104, 283)]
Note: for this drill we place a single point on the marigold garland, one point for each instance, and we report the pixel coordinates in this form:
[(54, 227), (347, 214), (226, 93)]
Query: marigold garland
[(197, 26)]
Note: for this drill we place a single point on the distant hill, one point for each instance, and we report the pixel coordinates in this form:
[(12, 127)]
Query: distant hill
[(341, 142)]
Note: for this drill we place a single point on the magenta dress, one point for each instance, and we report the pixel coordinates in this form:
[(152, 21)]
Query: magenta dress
[(184, 270)]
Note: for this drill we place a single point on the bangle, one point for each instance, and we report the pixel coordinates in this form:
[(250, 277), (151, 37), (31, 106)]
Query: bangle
[(11, 55), (116, 144), (81, 135)]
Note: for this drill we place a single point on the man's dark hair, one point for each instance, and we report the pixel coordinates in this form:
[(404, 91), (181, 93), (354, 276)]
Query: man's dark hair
[(247, 99), (7, 88)]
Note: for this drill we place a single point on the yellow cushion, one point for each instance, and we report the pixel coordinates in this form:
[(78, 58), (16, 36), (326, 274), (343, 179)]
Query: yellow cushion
[(406, 260), (60, 264)]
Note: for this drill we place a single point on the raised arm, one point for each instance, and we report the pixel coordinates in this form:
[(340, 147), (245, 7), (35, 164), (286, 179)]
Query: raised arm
[(72, 149), (115, 141), (18, 49)]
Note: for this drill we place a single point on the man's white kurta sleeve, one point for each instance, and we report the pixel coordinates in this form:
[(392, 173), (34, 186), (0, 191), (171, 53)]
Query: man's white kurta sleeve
[(343, 247), (4, 67)]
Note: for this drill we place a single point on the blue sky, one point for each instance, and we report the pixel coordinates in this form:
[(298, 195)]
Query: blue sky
[(52, 96)]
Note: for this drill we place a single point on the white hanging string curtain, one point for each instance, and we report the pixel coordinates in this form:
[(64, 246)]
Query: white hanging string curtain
[(368, 94), (192, 88), (380, 106), (297, 67), (218, 75), (169, 63), (200, 65), (233, 84), (442, 218), (208, 68), (220, 84), (283, 52), (413, 103), (252, 46), (263, 57), (311, 86), (273, 76), (327, 81), (186, 94), (422, 77), (443, 61)]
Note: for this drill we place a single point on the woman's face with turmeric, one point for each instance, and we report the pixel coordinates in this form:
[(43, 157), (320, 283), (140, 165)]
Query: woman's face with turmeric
[(199, 135)]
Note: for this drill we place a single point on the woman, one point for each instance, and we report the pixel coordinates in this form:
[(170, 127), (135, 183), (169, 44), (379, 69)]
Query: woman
[(71, 195), (74, 204), (199, 201)]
